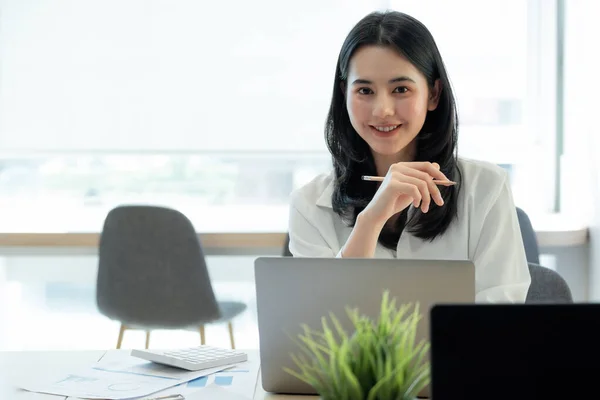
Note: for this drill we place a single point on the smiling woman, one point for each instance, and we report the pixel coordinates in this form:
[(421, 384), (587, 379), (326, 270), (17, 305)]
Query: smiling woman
[(393, 113)]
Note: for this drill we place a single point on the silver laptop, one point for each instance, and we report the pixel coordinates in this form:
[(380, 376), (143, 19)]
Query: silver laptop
[(294, 291)]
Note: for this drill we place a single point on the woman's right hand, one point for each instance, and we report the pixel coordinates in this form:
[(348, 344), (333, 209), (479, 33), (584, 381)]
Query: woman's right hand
[(405, 183)]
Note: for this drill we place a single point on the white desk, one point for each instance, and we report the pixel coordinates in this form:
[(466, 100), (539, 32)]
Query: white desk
[(16, 365)]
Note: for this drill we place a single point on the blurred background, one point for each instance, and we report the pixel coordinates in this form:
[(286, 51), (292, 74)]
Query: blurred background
[(217, 109)]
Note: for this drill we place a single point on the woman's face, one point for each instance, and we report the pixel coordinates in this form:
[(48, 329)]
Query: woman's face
[(388, 99)]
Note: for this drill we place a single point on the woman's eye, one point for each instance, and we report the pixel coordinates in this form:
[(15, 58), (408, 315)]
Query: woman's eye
[(365, 91), (401, 89)]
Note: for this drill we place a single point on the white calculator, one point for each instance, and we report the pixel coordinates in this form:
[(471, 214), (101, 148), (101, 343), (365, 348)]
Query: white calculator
[(193, 358)]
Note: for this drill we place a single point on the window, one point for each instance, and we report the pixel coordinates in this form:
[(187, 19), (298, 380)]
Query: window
[(219, 192), (217, 109)]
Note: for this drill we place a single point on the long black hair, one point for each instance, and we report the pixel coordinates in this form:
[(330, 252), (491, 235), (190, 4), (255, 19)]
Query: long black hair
[(436, 142)]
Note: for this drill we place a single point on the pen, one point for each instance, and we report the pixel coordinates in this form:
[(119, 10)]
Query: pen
[(169, 397), (381, 178)]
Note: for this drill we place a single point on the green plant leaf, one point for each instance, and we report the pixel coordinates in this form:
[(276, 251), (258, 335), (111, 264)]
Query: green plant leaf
[(333, 345), (312, 346), (354, 390), (382, 389), (308, 374), (418, 384), (338, 327)]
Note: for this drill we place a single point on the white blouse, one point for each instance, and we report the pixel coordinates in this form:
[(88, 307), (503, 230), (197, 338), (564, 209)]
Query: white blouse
[(486, 231)]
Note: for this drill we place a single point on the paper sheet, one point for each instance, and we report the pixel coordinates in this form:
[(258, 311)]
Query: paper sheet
[(240, 380), (123, 362), (214, 392), (119, 377)]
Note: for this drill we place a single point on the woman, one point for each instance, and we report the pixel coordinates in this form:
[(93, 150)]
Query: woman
[(393, 115)]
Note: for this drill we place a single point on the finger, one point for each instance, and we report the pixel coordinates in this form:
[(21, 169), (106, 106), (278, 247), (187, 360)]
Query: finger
[(409, 190), (418, 171), (436, 195), (425, 177), (436, 165), (446, 183), (421, 185), (430, 169)]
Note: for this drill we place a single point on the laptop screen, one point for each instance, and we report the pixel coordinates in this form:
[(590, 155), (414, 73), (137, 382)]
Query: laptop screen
[(526, 351)]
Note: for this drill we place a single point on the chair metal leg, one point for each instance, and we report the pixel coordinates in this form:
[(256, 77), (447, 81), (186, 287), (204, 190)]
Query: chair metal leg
[(230, 325), (202, 336), (121, 334), (147, 339)]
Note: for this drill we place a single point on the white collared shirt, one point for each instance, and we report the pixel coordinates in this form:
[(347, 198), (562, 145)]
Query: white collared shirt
[(486, 231)]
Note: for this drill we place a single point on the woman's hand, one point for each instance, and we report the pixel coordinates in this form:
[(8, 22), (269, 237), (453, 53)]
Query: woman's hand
[(405, 183)]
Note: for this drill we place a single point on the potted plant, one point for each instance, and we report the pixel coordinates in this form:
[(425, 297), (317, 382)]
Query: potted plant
[(380, 360)]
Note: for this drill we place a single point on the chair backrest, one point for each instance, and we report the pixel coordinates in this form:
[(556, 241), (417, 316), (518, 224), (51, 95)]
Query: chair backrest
[(152, 270), (286, 247), (532, 251), (547, 286)]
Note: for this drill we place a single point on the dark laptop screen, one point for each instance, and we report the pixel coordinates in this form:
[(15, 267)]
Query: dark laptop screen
[(530, 351)]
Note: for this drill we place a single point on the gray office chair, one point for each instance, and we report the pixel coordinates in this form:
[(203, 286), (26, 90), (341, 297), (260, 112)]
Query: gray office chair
[(286, 247), (532, 251), (547, 286), (152, 274)]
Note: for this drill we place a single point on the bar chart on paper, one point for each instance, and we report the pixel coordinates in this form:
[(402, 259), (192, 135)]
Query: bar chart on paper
[(225, 378)]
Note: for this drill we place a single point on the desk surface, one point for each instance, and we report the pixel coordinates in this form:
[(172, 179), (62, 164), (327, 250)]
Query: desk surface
[(17, 365)]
